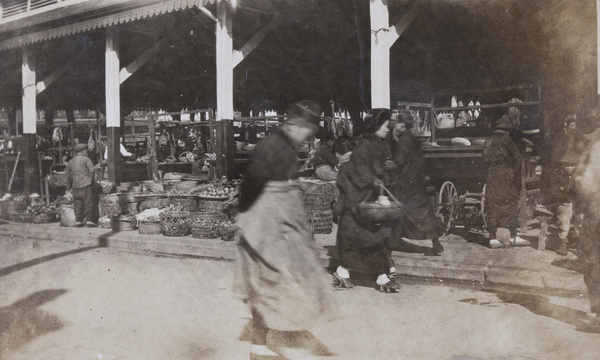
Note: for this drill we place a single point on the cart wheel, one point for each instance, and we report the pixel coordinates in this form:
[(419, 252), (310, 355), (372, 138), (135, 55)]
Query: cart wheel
[(447, 213)]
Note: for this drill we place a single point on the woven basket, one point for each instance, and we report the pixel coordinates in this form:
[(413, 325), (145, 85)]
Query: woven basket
[(321, 221), (188, 203), (149, 227), (174, 224), (153, 202), (185, 187), (10, 207), (205, 205), (318, 196), (206, 225), (169, 185)]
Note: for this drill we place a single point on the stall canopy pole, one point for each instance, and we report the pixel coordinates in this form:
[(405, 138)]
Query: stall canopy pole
[(29, 121), (224, 57), (380, 54), (113, 105), (598, 48)]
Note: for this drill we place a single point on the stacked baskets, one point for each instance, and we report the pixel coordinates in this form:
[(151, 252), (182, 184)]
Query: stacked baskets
[(318, 197), (206, 225), (174, 223)]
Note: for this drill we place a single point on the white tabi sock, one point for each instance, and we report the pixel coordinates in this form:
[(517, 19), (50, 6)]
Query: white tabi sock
[(262, 350), (382, 279), (343, 273)]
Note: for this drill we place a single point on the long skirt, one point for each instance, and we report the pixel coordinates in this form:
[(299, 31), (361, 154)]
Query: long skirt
[(418, 220), (363, 248), (281, 276), (501, 198)]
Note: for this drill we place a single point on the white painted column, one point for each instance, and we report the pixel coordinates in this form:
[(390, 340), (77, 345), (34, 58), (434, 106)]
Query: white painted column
[(112, 69), (224, 58), (113, 105), (29, 93), (380, 54)]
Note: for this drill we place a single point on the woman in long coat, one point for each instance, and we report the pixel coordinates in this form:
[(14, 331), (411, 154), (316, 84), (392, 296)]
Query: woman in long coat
[(502, 157), (280, 274), (418, 220), (363, 246)]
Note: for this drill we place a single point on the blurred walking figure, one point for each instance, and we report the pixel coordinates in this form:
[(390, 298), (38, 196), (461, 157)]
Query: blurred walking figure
[(363, 246), (280, 273), (503, 160), (418, 220), (586, 181)]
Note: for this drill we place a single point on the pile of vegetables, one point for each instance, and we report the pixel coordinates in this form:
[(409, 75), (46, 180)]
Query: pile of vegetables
[(149, 215), (40, 209)]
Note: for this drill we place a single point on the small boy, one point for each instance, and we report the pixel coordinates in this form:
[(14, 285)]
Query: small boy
[(562, 198), (80, 178)]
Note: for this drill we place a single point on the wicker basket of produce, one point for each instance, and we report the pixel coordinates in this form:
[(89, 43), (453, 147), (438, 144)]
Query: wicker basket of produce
[(228, 230), (152, 202), (128, 202), (174, 223), (318, 195), (187, 203), (152, 187), (109, 206), (207, 225), (381, 210), (123, 223)]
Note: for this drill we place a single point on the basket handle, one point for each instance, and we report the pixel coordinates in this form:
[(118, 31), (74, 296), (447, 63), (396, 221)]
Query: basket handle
[(382, 190)]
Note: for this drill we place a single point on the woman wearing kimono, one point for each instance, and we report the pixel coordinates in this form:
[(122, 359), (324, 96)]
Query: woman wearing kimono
[(418, 220), (279, 272), (502, 157), (363, 246)]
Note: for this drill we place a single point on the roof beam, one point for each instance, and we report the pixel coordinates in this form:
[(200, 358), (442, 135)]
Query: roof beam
[(398, 29), (257, 38), (42, 85), (207, 12), (136, 64)]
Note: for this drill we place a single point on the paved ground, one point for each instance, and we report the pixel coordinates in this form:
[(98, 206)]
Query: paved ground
[(67, 301)]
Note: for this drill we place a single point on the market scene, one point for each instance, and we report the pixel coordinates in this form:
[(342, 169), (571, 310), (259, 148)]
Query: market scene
[(290, 179)]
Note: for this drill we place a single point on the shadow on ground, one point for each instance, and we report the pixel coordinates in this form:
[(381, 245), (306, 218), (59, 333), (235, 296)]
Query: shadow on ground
[(29, 263), (541, 305), (22, 321)]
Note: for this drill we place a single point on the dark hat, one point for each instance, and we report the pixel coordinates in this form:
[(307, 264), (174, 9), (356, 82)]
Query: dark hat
[(80, 147), (503, 123), (376, 118), (304, 112), (570, 158)]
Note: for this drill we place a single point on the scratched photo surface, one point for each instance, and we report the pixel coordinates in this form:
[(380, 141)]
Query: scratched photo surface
[(199, 217)]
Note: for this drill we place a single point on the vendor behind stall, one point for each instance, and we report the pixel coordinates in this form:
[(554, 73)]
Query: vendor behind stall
[(325, 160), (199, 158)]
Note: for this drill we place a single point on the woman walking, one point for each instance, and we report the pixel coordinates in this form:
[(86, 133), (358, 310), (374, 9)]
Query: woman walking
[(363, 246)]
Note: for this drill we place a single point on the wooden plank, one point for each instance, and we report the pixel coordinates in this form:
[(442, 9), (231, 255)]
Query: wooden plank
[(225, 149), (153, 160)]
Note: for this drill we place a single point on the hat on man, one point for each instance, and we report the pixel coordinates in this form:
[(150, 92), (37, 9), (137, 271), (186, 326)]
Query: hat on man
[(80, 147), (304, 112), (503, 123)]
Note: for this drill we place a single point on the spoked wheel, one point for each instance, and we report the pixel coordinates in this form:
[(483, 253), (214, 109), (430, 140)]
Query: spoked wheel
[(446, 208)]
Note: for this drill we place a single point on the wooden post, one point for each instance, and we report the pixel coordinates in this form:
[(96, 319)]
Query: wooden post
[(225, 149), (153, 152), (380, 54), (30, 163), (113, 106), (523, 196), (598, 48), (224, 59)]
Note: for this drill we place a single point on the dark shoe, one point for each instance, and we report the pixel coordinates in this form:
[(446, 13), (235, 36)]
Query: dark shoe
[(390, 287), (562, 249), (436, 249), (341, 283), (90, 224), (79, 224), (393, 275)]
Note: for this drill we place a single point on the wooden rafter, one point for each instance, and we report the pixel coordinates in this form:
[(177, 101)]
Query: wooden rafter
[(398, 29), (257, 38), (42, 85), (136, 64)]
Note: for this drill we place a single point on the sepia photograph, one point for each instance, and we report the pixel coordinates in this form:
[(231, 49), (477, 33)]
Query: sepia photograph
[(299, 179)]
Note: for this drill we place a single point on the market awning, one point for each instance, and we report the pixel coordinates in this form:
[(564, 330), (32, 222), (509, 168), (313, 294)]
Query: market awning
[(120, 17)]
